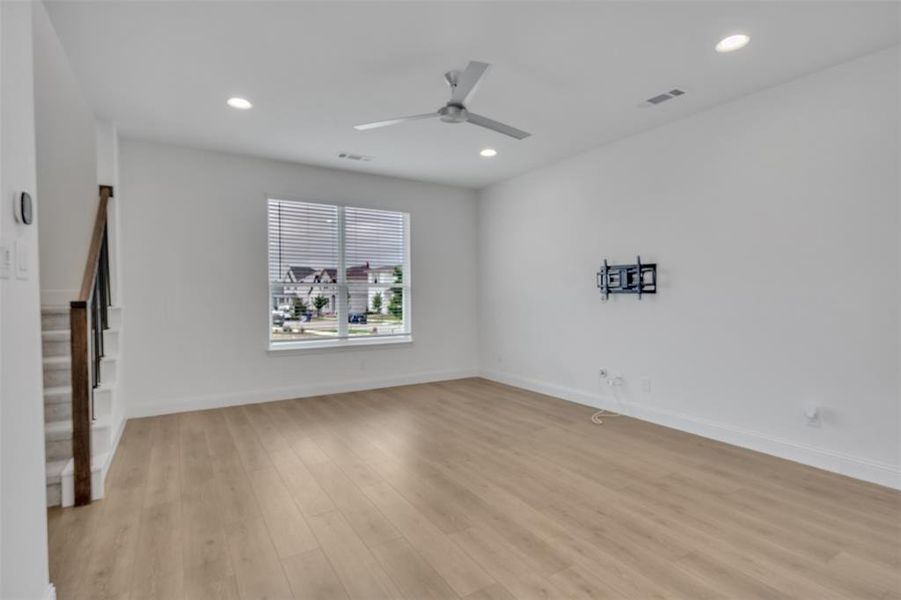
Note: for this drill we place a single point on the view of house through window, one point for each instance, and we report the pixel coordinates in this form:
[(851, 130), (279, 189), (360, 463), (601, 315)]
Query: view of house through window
[(337, 272)]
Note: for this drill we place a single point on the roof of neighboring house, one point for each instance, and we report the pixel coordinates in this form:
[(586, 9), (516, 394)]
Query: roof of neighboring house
[(328, 275), (358, 272), (297, 273)]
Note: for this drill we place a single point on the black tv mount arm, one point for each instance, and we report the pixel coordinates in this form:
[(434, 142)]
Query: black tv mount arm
[(635, 279)]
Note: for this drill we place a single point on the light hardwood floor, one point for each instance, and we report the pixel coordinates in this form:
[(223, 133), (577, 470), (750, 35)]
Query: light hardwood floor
[(464, 489)]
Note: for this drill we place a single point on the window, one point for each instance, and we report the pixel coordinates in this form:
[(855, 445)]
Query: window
[(338, 275)]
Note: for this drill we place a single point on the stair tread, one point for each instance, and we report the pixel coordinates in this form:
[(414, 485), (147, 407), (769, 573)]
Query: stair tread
[(57, 360), (55, 431), (55, 470), (62, 390), (97, 462), (59, 389), (67, 333), (53, 426), (65, 308), (65, 426), (52, 334), (56, 395)]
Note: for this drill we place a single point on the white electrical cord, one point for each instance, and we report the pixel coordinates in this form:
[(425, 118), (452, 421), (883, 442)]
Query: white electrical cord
[(598, 417)]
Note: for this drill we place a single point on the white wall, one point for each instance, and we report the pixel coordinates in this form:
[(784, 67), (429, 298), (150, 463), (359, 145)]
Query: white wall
[(23, 538), (775, 223), (195, 284), (66, 166)]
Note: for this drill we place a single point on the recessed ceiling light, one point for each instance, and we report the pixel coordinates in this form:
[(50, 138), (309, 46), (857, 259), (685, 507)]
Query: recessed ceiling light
[(733, 42), (488, 152), (239, 103)]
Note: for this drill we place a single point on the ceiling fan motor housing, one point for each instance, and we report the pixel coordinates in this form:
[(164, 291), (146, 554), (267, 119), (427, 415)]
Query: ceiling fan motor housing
[(453, 113)]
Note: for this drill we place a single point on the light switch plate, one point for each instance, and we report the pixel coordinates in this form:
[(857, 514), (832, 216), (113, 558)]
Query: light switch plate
[(6, 259), (21, 259)]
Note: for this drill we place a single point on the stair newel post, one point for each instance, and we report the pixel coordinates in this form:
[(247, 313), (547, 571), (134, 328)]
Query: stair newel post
[(81, 401)]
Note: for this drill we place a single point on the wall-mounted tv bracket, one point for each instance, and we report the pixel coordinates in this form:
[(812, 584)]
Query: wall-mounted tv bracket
[(627, 279)]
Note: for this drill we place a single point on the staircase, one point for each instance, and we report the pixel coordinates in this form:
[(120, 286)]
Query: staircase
[(55, 331)]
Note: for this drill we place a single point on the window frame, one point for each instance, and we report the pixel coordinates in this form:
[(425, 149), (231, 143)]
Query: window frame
[(343, 339)]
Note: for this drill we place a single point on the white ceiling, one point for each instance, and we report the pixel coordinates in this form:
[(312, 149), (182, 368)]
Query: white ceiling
[(571, 73)]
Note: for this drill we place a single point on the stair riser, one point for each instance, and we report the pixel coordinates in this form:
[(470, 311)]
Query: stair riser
[(57, 377), (111, 342), (114, 317), (101, 440), (98, 475), (62, 347), (57, 411), (59, 444), (54, 321), (103, 402), (56, 348), (64, 397), (58, 407), (108, 371), (59, 449), (54, 494)]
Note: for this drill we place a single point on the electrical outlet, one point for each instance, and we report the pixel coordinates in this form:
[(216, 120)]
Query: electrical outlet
[(646, 385)]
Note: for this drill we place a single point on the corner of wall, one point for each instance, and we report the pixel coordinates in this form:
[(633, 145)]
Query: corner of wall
[(24, 569)]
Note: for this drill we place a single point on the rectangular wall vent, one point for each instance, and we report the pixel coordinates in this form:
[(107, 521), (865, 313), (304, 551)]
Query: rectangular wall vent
[(661, 98), (350, 156)]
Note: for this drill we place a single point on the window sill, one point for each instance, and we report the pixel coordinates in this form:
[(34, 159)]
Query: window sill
[(353, 343)]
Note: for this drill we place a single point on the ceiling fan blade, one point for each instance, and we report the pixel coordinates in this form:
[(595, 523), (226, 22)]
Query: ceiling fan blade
[(496, 126), (378, 124), (467, 82)]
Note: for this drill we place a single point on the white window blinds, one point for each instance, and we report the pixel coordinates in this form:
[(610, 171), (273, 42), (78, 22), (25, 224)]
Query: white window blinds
[(336, 272), (302, 236)]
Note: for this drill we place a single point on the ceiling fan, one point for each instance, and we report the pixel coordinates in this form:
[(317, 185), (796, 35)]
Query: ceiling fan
[(463, 86)]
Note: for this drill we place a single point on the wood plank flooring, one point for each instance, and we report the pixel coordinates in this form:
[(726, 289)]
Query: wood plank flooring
[(463, 489)]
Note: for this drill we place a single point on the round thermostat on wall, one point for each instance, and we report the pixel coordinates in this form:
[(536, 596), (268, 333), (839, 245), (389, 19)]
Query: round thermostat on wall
[(24, 208)]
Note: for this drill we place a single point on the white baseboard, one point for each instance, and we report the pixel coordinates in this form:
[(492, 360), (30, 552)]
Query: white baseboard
[(860, 468), (117, 435), (254, 397), (50, 593)]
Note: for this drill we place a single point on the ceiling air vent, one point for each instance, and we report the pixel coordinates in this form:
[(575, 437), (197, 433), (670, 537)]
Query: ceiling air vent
[(350, 156), (661, 98)]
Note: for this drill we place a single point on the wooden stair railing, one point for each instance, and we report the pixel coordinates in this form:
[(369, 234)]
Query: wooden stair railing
[(88, 318)]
